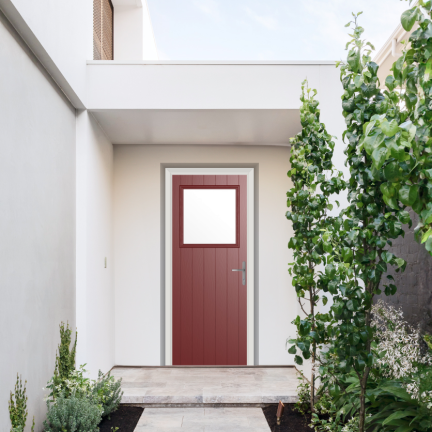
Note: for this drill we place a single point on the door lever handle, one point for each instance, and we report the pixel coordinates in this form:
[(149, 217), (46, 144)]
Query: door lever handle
[(243, 269)]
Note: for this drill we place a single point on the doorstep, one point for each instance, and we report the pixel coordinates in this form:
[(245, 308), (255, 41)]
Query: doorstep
[(207, 386)]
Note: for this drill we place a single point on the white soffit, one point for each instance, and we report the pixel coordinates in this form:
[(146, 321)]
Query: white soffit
[(212, 126)]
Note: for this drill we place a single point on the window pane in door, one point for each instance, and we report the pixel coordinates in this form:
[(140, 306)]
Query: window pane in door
[(209, 216)]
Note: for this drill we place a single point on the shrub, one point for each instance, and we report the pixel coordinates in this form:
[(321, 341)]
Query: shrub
[(76, 384), (403, 355), (18, 408), (108, 392), (303, 391), (65, 362), (72, 414)]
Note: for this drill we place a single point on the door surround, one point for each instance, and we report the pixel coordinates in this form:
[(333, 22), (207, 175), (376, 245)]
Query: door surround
[(249, 172)]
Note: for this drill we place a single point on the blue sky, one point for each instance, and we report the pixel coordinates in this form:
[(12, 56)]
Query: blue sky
[(266, 29)]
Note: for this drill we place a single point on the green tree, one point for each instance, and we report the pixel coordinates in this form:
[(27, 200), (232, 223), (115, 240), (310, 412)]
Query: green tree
[(353, 273), (409, 168), (309, 199)]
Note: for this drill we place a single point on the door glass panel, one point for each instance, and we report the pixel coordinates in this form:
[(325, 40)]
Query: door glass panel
[(209, 216)]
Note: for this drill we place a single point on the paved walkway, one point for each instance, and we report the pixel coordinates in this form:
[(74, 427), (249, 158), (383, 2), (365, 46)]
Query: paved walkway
[(146, 385), (202, 420)]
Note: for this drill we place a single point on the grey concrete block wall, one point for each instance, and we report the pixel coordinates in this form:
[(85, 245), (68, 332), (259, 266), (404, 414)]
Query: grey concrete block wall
[(414, 294), (37, 222)]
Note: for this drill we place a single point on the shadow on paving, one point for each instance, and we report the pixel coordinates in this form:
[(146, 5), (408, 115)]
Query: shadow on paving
[(292, 421), (125, 418)]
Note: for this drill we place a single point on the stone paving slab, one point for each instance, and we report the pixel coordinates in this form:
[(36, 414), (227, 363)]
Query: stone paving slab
[(202, 420), (258, 385)]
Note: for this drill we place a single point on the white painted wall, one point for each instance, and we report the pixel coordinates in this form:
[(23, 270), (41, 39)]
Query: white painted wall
[(137, 246), (37, 223), (133, 31), (65, 30), (95, 289)]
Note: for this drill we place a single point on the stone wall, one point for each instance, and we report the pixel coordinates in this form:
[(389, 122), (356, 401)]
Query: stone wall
[(414, 293)]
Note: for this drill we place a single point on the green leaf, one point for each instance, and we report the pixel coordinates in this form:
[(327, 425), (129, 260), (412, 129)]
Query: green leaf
[(354, 60), (428, 245), (404, 428), (347, 255), (324, 300), (389, 128), (392, 171), (426, 235), (352, 305), (354, 339), (292, 350), (408, 194), (379, 156), (428, 71), (398, 415), (298, 360), (389, 82), (408, 18), (404, 217), (330, 271), (373, 141)]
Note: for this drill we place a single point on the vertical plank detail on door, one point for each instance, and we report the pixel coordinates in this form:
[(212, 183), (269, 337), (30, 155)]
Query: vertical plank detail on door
[(221, 297), (198, 297), (209, 297)]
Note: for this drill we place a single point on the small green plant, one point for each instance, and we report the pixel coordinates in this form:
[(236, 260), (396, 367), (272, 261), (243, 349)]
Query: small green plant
[(65, 362), (72, 414), (76, 384), (326, 417), (108, 392), (18, 408), (303, 391)]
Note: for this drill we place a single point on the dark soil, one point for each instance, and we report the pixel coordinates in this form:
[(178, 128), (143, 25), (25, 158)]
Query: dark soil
[(125, 418), (291, 420)]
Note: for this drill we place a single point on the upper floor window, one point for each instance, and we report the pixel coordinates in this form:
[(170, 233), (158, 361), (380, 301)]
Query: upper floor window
[(103, 30)]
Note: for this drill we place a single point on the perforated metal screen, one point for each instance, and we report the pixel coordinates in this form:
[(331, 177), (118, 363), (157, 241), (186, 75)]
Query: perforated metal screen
[(103, 30)]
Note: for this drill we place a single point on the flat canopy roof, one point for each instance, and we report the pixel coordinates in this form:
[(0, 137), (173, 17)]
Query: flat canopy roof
[(255, 103)]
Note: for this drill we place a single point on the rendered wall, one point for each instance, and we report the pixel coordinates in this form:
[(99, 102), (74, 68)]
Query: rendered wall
[(37, 222), (64, 29), (95, 289), (137, 245)]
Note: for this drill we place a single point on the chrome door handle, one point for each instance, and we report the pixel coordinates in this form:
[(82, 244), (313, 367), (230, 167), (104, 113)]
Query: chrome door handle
[(243, 269)]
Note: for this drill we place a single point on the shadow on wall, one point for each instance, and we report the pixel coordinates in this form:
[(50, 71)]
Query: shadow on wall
[(414, 286)]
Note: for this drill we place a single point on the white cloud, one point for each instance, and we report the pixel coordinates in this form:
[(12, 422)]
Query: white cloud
[(268, 22), (208, 7)]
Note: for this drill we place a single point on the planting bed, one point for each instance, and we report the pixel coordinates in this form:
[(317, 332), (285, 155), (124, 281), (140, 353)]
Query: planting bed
[(292, 421), (125, 418)]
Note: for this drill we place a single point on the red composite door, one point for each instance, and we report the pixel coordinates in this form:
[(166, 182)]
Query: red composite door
[(209, 242)]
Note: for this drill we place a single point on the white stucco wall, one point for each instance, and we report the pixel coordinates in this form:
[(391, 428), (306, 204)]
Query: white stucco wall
[(137, 246), (95, 289), (37, 223), (64, 29), (133, 32)]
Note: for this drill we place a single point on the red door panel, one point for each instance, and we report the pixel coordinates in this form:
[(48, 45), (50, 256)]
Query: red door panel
[(209, 299)]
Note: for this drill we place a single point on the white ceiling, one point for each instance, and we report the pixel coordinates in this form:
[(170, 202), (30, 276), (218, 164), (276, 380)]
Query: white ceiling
[(250, 127)]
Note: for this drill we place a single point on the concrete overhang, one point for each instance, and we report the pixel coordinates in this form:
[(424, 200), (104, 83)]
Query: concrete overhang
[(165, 102)]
